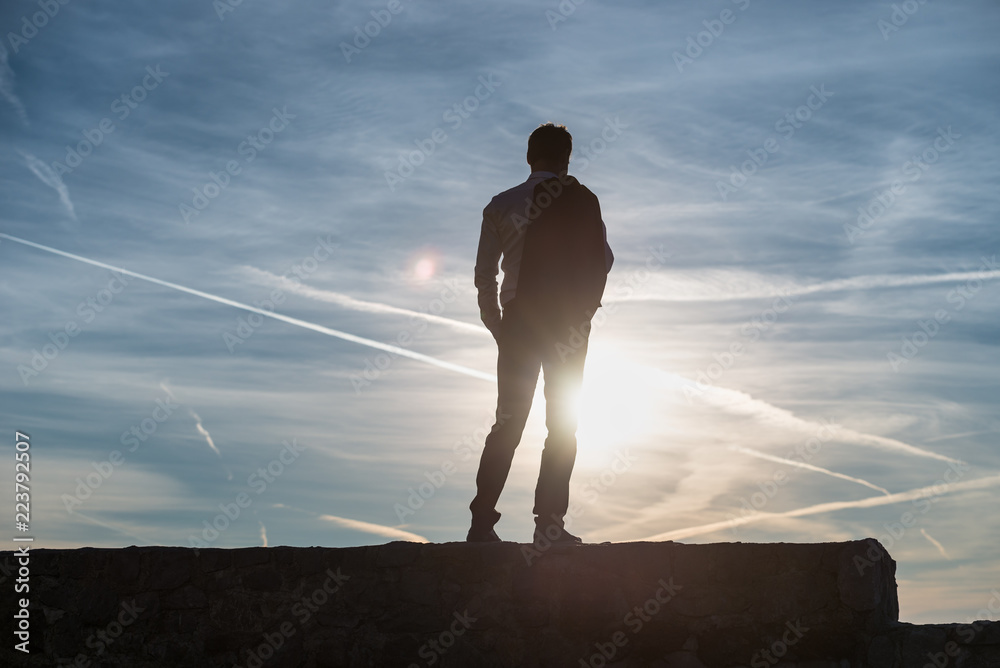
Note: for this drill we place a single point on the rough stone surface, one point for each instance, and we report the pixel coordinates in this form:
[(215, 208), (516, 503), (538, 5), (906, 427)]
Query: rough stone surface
[(481, 605)]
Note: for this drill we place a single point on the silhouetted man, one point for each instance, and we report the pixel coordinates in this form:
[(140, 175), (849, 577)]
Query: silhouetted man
[(555, 263)]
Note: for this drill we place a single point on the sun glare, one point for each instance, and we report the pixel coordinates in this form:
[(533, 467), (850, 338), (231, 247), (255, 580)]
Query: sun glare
[(615, 404)]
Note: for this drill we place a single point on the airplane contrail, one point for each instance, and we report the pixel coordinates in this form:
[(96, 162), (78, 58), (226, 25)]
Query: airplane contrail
[(740, 403), (371, 343), (714, 286), (51, 179), (947, 437), (347, 301), (732, 401), (809, 467), (832, 506)]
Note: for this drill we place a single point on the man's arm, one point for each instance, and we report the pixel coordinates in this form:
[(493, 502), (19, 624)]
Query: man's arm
[(487, 268), (609, 257)]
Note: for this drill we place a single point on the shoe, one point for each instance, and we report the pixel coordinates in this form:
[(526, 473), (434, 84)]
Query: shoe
[(555, 534), (480, 536)]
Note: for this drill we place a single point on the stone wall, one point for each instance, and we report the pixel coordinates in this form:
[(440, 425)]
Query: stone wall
[(478, 605)]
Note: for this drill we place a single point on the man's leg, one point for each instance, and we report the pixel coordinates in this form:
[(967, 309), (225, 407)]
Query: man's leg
[(518, 364), (563, 376)]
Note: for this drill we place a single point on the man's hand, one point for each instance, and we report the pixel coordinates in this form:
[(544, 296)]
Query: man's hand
[(492, 323), (495, 331)]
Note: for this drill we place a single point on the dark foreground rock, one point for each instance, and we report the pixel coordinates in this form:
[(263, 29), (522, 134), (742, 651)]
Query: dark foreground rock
[(481, 605)]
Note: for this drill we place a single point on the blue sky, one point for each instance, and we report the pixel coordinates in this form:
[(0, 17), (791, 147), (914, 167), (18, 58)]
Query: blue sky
[(772, 364)]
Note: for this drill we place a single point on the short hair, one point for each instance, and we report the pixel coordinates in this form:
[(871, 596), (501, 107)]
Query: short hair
[(549, 142)]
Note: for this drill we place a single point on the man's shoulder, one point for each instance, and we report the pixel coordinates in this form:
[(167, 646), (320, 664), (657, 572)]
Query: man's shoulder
[(502, 202), (513, 192)]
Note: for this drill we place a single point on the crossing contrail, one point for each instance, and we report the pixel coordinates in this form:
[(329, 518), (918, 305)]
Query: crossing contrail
[(721, 285), (808, 467), (829, 507), (288, 285), (729, 400), (371, 343), (736, 402)]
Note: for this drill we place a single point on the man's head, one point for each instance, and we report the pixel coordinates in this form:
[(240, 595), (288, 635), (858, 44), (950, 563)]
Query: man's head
[(549, 148)]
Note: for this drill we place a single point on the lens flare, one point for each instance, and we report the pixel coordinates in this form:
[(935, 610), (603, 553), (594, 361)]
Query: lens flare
[(424, 269)]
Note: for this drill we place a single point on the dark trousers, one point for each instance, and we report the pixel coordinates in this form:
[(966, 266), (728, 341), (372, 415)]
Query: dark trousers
[(525, 346)]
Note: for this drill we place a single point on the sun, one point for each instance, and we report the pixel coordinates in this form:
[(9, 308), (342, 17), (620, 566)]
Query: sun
[(616, 403)]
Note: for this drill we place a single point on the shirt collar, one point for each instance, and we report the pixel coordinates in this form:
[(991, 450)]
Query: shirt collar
[(542, 174)]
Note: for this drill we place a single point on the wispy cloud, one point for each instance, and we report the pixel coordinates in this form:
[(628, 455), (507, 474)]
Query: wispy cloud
[(112, 527), (726, 285), (51, 179), (376, 529), (164, 385), (263, 534), (358, 525), (208, 438), (832, 506), (7, 86), (808, 467), (935, 542), (740, 403)]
